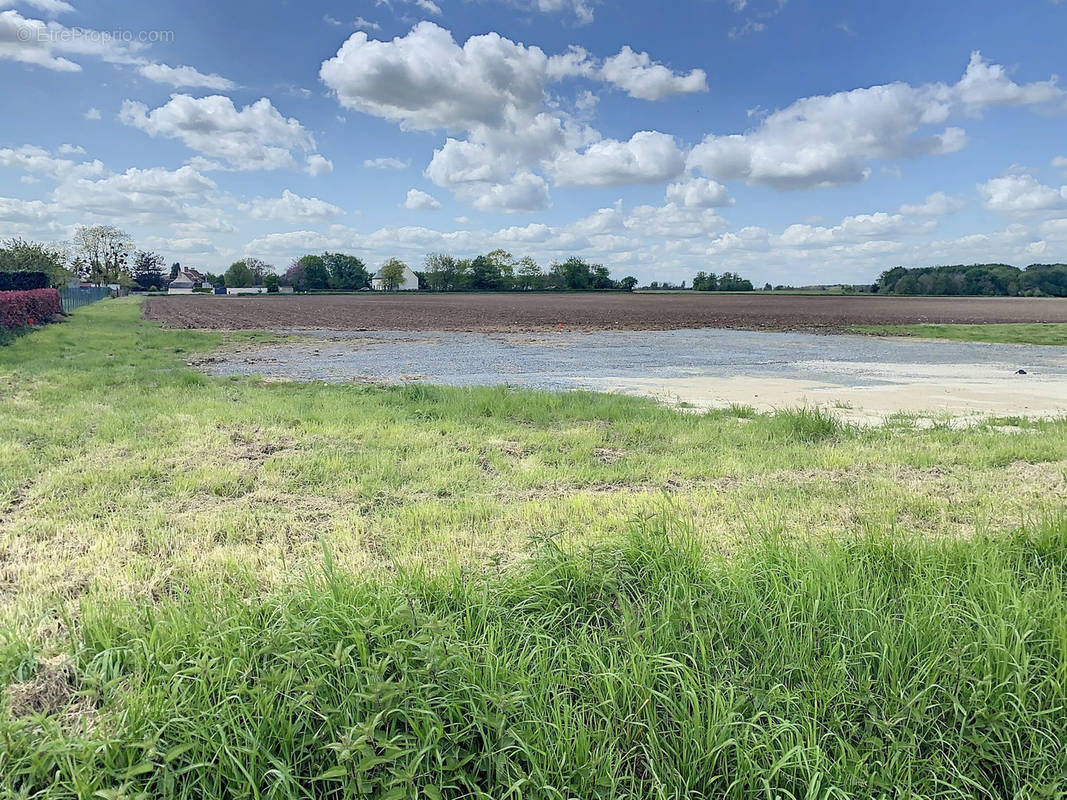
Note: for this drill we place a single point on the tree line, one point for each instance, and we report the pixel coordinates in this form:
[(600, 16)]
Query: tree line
[(1003, 280)]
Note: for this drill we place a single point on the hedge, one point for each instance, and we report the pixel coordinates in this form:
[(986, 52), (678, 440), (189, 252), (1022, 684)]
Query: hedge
[(23, 281), (18, 309)]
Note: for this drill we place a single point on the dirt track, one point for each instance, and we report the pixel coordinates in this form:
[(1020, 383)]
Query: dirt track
[(530, 312)]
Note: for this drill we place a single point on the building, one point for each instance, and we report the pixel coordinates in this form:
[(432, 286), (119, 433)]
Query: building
[(182, 283), (409, 283)]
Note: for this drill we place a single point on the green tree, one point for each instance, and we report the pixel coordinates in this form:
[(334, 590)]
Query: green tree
[(574, 274), (19, 255), (444, 273), (271, 282), (628, 283), (345, 273), (239, 276), (316, 275), (104, 252), (392, 274), (528, 274)]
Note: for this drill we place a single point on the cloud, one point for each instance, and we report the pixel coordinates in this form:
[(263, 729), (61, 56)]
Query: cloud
[(830, 140), (640, 77), (92, 113), (491, 96), (136, 194), (649, 157), (937, 204), (183, 76), (318, 165), (254, 137), (47, 44), (523, 192), (50, 7), (359, 23), (1021, 195), (421, 201), (38, 161), (386, 163), (699, 193), (291, 207)]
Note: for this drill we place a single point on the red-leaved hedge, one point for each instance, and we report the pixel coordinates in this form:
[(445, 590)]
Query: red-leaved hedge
[(21, 308)]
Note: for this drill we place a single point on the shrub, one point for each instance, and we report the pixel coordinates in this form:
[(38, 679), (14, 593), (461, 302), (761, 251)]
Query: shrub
[(17, 309), (23, 281)]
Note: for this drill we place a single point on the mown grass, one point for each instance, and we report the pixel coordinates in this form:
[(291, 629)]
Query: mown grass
[(522, 594), (1047, 333)]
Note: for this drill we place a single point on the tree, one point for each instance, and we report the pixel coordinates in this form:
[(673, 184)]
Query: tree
[(239, 276), (444, 273), (316, 275), (344, 272), (148, 269), (767, 287), (628, 283), (175, 268), (18, 255), (104, 252), (260, 270), (295, 276), (392, 274), (504, 263), (485, 275), (528, 275), (271, 283), (571, 274)]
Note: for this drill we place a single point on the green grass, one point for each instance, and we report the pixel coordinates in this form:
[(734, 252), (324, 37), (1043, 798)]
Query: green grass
[(230, 587), (1048, 333)]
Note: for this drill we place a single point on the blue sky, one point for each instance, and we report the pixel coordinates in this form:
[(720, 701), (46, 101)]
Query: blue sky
[(792, 141)]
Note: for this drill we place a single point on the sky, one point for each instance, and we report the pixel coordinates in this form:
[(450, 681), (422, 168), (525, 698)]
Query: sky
[(792, 141)]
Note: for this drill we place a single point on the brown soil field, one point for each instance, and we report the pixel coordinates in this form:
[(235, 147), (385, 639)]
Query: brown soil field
[(531, 312)]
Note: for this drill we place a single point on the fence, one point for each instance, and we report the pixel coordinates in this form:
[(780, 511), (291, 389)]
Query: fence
[(82, 296)]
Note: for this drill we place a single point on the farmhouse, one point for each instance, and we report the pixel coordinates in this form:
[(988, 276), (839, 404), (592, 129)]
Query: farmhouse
[(409, 283), (182, 283)]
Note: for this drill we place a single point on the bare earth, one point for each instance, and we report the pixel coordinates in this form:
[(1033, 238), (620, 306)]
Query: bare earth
[(589, 311), (965, 390)]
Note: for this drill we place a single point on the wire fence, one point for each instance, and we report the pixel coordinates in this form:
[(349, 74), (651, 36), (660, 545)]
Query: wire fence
[(73, 298)]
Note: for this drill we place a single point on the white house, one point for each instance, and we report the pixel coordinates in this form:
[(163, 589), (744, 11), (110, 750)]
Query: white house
[(409, 283), (181, 284)]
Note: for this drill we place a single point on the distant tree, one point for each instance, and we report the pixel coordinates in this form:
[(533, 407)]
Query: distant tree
[(344, 272), (220, 281), (294, 276), (271, 282), (705, 282), (628, 283), (485, 274), (574, 274), (528, 274), (505, 265), (316, 275), (260, 270), (148, 270), (19, 255), (767, 287), (104, 252), (392, 274), (444, 273), (175, 268), (239, 276)]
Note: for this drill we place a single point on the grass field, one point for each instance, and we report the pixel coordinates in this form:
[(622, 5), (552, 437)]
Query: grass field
[(1050, 333), (230, 587)]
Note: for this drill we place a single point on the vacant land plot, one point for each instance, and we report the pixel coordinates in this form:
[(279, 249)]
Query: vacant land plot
[(223, 587), (518, 312)]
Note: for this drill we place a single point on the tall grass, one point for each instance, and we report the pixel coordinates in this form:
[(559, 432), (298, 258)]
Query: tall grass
[(878, 667)]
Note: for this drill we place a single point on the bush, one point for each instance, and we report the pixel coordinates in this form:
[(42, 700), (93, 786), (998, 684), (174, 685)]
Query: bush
[(18, 309), (23, 281)]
